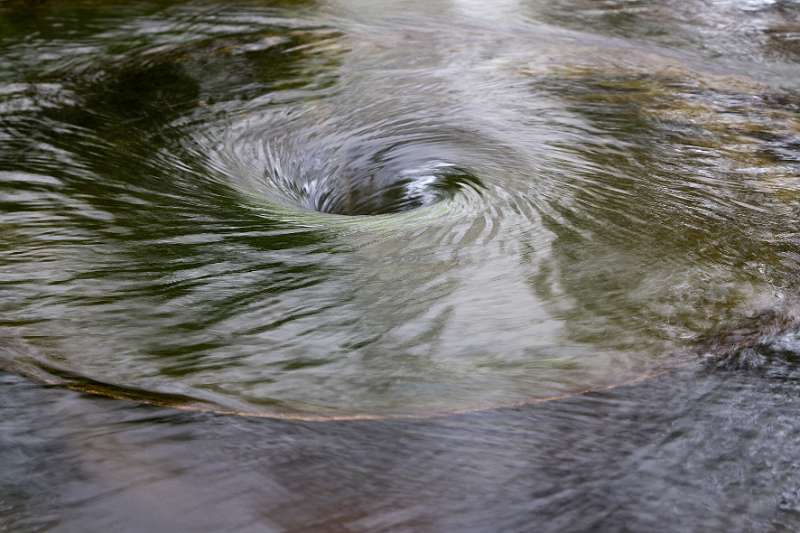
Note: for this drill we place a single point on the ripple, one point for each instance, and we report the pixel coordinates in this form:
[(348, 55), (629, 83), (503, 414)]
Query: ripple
[(284, 211), (392, 180)]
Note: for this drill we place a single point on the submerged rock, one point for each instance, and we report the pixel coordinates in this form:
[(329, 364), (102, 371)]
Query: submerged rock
[(766, 340)]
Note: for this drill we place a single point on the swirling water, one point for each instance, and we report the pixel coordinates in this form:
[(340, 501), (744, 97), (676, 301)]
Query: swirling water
[(372, 210)]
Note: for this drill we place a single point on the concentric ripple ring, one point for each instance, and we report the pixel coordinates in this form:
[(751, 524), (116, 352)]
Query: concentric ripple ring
[(344, 212)]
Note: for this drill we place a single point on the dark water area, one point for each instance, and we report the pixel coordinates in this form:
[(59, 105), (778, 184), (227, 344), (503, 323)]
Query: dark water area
[(352, 265), (688, 452)]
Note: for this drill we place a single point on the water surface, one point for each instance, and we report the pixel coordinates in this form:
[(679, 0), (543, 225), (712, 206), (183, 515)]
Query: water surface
[(399, 210)]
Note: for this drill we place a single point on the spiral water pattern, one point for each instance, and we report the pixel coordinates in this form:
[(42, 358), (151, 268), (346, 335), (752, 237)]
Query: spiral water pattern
[(343, 210)]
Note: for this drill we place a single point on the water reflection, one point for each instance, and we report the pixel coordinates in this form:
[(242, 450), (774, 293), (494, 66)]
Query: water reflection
[(668, 451), (368, 210), (581, 217)]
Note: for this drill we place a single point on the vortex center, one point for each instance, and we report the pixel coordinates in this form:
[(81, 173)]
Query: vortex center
[(379, 194)]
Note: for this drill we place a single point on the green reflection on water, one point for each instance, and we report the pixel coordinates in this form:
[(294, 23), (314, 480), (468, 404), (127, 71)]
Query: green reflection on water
[(529, 221)]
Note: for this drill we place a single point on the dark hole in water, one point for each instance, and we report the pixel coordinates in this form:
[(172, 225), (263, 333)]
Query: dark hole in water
[(373, 197)]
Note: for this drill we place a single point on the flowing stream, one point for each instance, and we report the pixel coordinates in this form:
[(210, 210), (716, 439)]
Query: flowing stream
[(454, 238)]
